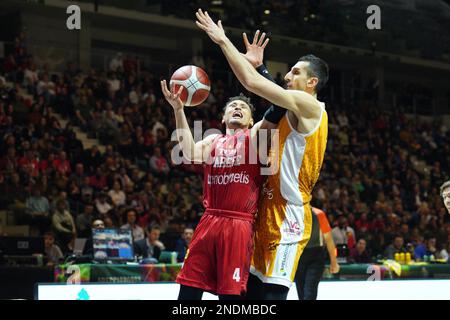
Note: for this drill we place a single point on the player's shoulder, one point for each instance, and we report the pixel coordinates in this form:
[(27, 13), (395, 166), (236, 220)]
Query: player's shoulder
[(212, 137), (322, 115)]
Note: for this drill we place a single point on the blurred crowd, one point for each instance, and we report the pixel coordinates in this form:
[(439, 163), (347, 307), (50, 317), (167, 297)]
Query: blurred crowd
[(380, 182), (374, 185), (335, 21)]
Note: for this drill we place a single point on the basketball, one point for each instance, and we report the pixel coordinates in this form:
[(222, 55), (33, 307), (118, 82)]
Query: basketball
[(195, 81)]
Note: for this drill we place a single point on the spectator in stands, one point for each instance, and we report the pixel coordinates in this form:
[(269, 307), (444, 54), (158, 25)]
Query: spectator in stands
[(83, 113), (62, 165), (359, 253), (130, 64), (397, 246), (38, 210), (182, 244), (109, 223), (46, 88), (73, 146), (9, 162), (86, 191), (405, 233), (343, 234), (29, 164), (431, 247), (156, 126), (78, 175), (150, 247), (125, 140), (13, 196), (102, 205), (116, 63), (445, 194), (92, 159), (114, 84), (97, 224), (116, 194), (158, 163), (53, 253), (61, 195), (84, 221), (109, 127), (123, 177), (362, 225), (138, 232), (420, 249), (98, 180), (63, 225), (444, 253)]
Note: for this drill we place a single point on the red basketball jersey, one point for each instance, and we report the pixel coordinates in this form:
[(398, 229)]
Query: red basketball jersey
[(232, 176)]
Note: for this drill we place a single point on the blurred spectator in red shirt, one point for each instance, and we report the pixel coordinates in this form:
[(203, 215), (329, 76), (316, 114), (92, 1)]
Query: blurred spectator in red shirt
[(30, 164), (129, 64), (378, 224), (98, 180), (62, 164), (359, 253), (158, 163), (362, 224)]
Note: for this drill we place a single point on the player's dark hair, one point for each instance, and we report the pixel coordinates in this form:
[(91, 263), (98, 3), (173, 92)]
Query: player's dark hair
[(241, 97), (317, 68)]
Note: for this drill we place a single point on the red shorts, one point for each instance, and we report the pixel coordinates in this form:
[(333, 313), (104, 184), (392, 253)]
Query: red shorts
[(218, 259)]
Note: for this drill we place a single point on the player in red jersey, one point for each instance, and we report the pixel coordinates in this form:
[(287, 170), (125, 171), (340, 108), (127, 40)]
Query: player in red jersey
[(218, 258)]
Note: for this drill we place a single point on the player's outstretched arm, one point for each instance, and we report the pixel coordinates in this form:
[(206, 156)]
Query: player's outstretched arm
[(301, 103), (192, 151), (255, 55)]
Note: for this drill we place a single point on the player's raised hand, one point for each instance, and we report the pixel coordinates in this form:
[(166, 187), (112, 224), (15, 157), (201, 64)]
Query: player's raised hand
[(255, 50), (171, 96), (213, 30)]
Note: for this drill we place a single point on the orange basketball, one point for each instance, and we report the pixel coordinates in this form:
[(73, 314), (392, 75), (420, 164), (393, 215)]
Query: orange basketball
[(195, 82)]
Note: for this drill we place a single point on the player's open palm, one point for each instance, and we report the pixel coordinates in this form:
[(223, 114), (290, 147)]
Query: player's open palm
[(255, 50), (171, 96), (214, 31)]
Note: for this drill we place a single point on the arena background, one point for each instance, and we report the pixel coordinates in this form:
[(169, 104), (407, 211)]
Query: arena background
[(93, 94)]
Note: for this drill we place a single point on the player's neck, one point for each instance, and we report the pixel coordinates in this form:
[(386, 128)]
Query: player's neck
[(232, 130), (314, 94), (311, 92)]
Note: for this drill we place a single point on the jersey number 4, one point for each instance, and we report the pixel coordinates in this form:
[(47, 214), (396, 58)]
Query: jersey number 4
[(236, 274)]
